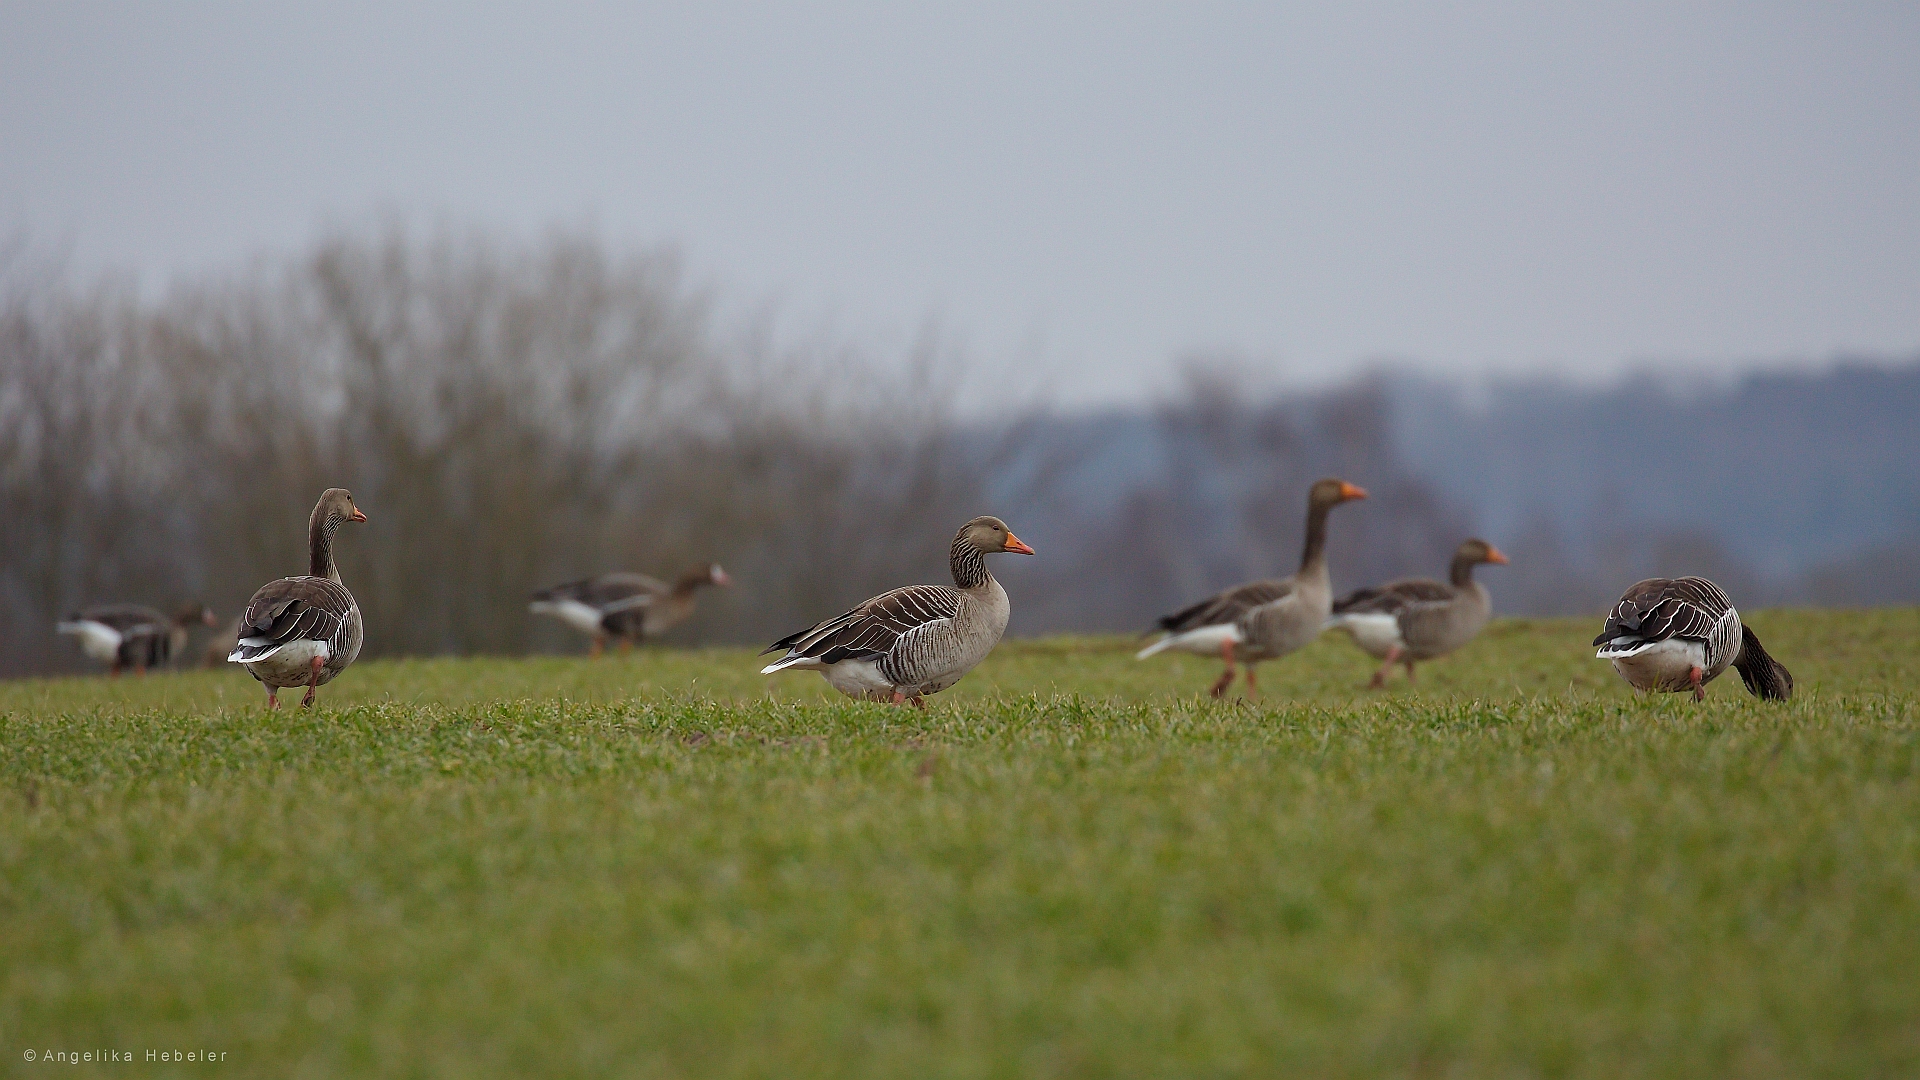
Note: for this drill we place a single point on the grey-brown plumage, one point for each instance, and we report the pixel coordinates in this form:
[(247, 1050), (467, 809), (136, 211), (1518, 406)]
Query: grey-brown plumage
[(1675, 634), (1263, 620), (918, 640), (1418, 618), (624, 606), (133, 635), (304, 630)]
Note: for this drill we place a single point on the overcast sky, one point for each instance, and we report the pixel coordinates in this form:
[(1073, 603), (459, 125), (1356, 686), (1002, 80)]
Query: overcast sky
[(1074, 193)]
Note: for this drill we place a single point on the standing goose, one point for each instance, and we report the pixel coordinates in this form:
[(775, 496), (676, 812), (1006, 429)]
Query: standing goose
[(130, 635), (1419, 618), (1678, 634), (304, 630), (1264, 620), (905, 644), (629, 607)]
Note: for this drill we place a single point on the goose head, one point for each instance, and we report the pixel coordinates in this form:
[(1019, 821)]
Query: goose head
[(990, 534), (195, 613), (1331, 492), (717, 576), (1476, 551), (335, 506)]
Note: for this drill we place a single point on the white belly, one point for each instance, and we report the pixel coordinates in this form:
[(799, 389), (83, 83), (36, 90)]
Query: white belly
[(1205, 640), (858, 678), (98, 640), (1376, 633), (1662, 665), (572, 612), (291, 664)]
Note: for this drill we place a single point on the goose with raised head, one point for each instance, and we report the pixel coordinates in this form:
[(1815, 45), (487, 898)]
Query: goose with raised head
[(1263, 620), (303, 631), (132, 635), (903, 645), (1418, 618), (624, 606), (1675, 634)]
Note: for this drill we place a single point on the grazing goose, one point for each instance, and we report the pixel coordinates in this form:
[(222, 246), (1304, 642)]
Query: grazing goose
[(304, 630), (624, 606), (905, 644), (130, 635), (1419, 618), (1264, 620), (1678, 634)]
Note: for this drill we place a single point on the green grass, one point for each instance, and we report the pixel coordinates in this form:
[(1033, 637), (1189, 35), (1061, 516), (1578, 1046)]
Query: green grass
[(1072, 865)]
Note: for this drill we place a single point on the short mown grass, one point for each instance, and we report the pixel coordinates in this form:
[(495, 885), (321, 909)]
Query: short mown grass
[(1071, 865)]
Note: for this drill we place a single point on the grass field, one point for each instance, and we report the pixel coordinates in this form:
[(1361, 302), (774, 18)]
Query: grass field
[(1072, 865)]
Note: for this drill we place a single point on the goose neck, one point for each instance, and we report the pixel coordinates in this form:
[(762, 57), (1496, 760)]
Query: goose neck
[(968, 563), (1313, 557), (320, 547)]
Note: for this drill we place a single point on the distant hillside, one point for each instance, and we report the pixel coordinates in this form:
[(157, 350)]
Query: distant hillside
[(1784, 470), (1800, 488)]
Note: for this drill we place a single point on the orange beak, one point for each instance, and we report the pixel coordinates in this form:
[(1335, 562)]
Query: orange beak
[(1014, 544), (1350, 491), (356, 515), (1494, 556)]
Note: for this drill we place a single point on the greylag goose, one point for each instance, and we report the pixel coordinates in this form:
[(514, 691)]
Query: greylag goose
[(1678, 634), (627, 607), (130, 635), (304, 630), (905, 644), (1264, 620), (1419, 618)]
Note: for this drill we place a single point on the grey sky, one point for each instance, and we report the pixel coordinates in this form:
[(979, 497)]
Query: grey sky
[(1078, 192)]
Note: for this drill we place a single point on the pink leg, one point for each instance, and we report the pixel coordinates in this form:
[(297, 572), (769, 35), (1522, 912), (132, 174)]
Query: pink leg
[(1252, 686), (1225, 681), (313, 682), (273, 697), (1380, 677), (1694, 676), (1409, 662)]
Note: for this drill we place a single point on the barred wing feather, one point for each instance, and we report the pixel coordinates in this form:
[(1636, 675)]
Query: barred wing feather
[(873, 628)]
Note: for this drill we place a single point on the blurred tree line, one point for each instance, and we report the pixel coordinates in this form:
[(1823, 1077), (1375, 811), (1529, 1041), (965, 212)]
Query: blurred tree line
[(512, 414)]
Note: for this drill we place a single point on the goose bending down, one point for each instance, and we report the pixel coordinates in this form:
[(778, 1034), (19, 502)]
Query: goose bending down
[(304, 630), (905, 644), (1678, 634), (624, 606), (1263, 620), (1419, 618), (129, 635)]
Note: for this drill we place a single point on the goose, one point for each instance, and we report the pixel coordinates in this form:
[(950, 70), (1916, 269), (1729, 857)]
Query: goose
[(629, 607), (919, 640), (130, 635), (1263, 620), (304, 630), (1419, 618), (1676, 634)]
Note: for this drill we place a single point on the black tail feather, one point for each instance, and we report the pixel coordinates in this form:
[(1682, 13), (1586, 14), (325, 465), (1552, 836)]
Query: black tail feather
[(1765, 677)]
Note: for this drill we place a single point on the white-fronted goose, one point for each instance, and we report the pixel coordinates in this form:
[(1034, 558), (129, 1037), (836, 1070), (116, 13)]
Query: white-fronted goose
[(905, 644), (304, 630), (1419, 618), (1678, 634), (1264, 620), (624, 606), (131, 635)]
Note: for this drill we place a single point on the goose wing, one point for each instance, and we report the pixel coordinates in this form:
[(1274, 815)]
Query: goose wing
[(130, 620), (1228, 606), (292, 609), (1394, 597), (873, 628), (607, 592), (1660, 608)]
